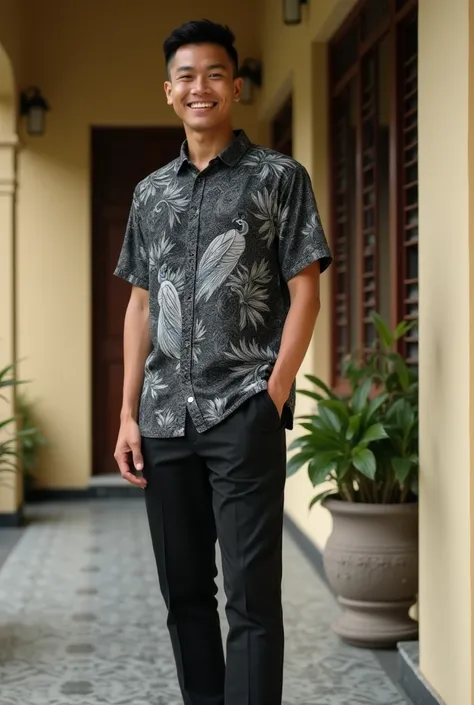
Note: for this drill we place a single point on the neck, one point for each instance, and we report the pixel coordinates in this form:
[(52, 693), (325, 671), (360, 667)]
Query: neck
[(204, 146)]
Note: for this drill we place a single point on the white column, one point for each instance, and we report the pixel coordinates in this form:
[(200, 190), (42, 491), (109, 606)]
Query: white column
[(10, 484), (446, 275)]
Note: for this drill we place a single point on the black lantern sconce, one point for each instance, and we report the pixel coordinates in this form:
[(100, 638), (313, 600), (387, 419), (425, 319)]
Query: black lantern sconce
[(251, 73), (292, 11), (34, 107)]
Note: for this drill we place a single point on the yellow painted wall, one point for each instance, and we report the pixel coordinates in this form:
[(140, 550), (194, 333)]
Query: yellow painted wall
[(97, 64), (444, 271), (294, 59), (471, 312)]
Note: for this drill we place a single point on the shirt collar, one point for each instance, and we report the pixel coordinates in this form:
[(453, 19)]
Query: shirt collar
[(231, 155)]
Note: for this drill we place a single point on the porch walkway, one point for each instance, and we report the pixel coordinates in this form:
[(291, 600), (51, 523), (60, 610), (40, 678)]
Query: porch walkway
[(82, 620)]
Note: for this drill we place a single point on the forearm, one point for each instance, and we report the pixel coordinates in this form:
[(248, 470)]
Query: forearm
[(296, 338), (137, 344)]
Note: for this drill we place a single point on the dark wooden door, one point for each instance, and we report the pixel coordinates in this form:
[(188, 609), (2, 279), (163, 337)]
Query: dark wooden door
[(282, 129), (120, 158)]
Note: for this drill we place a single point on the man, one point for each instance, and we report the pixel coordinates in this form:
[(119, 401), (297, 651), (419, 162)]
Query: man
[(224, 249)]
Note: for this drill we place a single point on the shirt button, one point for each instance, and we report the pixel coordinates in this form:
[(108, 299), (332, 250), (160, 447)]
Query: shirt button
[(190, 400)]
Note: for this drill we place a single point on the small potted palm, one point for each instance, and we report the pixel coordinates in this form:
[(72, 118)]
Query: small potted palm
[(361, 451), (32, 440), (17, 432)]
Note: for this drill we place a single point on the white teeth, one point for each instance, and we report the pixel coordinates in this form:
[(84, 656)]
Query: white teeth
[(201, 105)]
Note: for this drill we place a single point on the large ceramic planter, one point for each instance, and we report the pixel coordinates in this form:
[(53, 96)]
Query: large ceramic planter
[(371, 562)]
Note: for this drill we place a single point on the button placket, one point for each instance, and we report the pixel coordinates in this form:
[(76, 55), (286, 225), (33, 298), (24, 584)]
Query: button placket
[(188, 312)]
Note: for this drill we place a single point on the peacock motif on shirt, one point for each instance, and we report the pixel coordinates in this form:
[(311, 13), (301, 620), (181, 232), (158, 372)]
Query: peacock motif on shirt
[(170, 321), (217, 263), (219, 260)]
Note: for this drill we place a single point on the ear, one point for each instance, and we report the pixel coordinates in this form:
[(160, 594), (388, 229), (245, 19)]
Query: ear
[(237, 88), (168, 90)]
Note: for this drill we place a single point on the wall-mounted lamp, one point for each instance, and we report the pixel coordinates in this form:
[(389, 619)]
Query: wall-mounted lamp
[(251, 73), (292, 11), (34, 107)]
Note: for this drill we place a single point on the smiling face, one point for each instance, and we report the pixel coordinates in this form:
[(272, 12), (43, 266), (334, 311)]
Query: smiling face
[(202, 87)]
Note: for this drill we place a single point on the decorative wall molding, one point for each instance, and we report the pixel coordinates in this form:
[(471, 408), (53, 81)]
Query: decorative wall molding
[(8, 149), (12, 141)]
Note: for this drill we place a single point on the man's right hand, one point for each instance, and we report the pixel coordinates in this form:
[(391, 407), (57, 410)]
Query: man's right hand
[(129, 448)]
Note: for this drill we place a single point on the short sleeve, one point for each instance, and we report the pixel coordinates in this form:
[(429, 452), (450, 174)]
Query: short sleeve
[(301, 239), (133, 260)]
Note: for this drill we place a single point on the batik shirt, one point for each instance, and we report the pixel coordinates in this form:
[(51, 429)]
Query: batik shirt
[(215, 249)]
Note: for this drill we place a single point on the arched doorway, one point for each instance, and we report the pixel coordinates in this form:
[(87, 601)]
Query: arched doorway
[(10, 485)]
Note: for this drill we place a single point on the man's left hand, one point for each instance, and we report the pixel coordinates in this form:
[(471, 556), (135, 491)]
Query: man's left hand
[(278, 394)]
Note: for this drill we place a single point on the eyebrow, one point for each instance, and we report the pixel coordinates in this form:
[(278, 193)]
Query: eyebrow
[(182, 69), (217, 66)]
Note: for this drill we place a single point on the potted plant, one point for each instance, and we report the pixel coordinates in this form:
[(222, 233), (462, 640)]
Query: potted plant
[(31, 442), (14, 442), (361, 447)]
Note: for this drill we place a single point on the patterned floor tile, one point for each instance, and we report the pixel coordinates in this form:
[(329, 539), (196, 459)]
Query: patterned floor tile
[(82, 620)]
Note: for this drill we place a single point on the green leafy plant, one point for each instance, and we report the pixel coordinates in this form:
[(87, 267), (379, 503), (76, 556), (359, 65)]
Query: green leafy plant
[(11, 438), (364, 442), (33, 440)]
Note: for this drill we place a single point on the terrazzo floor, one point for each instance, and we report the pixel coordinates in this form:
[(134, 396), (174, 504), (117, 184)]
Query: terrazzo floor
[(82, 620)]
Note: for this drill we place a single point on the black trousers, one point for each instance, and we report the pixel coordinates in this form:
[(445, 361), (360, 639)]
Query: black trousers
[(225, 484)]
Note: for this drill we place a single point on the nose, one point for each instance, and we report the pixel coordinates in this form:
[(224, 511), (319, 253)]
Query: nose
[(200, 85)]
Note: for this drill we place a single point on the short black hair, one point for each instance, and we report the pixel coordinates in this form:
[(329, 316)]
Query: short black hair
[(201, 32)]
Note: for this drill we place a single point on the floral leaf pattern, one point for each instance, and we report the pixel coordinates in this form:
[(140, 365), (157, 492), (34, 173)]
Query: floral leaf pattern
[(174, 201), (273, 214), (149, 186), (267, 163), (152, 384), (166, 420), (253, 361), (313, 227), (213, 409), (199, 336), (250, 287), (159, 251)]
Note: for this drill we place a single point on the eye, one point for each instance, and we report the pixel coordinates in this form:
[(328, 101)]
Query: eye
[(186, 77), (215, 75)]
